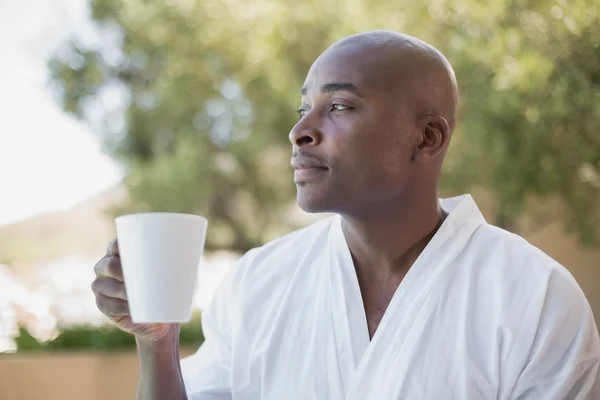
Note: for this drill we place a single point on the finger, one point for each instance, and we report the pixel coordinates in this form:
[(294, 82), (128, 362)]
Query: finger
[(113, 248), (112, 307), (110, 288), (109, 267)]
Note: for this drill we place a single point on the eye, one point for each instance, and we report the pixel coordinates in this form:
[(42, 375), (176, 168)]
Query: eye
[(339, 107), (301, 112)]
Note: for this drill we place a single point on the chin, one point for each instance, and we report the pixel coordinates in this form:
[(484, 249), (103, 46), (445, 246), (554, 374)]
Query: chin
[(315, 203)]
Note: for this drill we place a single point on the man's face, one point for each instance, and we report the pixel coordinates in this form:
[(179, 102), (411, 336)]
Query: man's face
[(356, 135)]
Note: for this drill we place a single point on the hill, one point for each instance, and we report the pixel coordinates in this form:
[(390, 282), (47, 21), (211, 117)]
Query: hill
[(83, 230)]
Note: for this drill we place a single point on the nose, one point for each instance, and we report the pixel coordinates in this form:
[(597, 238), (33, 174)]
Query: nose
[(305, 133)]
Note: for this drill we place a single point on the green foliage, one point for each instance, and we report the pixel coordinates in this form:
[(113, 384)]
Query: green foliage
[(209, 89), (91, 338), (105, 338), (26, 342)]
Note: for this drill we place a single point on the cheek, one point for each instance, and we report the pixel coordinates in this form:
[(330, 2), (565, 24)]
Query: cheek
[(395, 156), (395, 145), (369, 153), (384, 151), (374, 164), (390, 167)]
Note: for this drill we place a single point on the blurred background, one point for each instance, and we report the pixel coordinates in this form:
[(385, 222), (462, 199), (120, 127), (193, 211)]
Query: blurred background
[(119, 106)]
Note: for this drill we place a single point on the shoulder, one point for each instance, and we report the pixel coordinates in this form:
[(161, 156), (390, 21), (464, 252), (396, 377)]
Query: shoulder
[(542, 320), (513, 257), (533, 304), (271, 265), (525, 285)]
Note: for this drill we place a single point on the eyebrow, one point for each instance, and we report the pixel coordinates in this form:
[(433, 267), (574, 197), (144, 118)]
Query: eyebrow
[(336, 87)]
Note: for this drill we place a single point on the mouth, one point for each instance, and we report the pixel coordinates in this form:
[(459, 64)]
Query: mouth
[(305, 172), (307, 167)]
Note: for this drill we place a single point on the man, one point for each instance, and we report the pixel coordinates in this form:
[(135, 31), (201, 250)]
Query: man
[(400, 295)]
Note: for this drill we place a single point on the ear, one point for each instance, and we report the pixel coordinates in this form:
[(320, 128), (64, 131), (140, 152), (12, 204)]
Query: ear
[(434, 139)]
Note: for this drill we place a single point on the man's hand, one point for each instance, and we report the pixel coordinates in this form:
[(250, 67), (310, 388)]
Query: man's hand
[(111, 298)]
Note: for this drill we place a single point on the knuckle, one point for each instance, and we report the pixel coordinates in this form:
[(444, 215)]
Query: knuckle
[(112, 307), (99, 266), (118, 308), (114, 267), (124, 307), (99, 286), (94, 285), (113, 248), (109, 287), (121, 291), (101, 303)]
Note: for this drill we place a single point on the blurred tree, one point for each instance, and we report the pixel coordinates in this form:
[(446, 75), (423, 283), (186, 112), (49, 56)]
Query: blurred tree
[(197, 97), (530, 80)]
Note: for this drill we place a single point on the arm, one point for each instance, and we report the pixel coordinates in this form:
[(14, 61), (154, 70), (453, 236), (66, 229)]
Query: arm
[(208, 373), (205, 375), (160, 371)]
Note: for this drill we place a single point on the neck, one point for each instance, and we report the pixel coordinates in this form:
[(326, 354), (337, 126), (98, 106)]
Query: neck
[(388, 240)]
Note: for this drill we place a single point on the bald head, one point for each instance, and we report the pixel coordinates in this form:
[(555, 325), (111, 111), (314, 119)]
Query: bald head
[(404, 65), (378, 110)]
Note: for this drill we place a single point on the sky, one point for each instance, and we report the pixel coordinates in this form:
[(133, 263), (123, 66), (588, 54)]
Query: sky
[(48, 160)]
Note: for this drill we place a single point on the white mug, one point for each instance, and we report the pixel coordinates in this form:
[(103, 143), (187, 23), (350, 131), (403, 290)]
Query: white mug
[(160, 256)]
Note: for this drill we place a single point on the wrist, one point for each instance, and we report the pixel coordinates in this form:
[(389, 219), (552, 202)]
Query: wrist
[(168, 343)]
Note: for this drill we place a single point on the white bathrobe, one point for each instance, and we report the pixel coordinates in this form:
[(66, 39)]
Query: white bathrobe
[(481, 314)]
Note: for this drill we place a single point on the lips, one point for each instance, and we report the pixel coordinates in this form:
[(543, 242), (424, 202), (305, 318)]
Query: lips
[(306, 167), (304, 162), (303, 167), (305, 173)]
